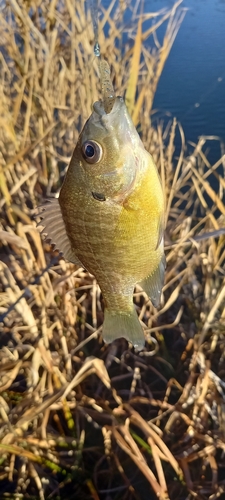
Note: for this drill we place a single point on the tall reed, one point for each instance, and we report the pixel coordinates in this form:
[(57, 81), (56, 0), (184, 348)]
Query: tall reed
[(78, 418)]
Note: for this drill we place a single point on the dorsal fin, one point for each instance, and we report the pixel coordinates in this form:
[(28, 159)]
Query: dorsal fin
[(54, 229)]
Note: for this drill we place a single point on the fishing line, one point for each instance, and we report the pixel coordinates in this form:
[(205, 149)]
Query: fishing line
[(94, 15), (162, 113), (203, 97), (108, 95)]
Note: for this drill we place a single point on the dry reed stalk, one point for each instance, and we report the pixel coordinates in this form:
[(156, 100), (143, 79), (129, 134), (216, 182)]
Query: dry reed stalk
[(67, 400)]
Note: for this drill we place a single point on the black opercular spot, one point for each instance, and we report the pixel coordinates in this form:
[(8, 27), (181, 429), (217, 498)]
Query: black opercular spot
[(98, 196)]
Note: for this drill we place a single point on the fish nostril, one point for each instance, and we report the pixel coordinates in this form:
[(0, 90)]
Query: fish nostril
[(98, 196)]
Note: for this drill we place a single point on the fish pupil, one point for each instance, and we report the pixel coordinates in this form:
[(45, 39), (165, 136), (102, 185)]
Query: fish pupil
[(89, 150)]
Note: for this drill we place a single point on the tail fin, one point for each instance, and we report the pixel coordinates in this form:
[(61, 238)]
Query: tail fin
[(122, 325)]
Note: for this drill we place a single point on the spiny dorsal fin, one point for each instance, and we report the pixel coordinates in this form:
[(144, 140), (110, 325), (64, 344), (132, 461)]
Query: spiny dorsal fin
[(152, 285), (54, 229)]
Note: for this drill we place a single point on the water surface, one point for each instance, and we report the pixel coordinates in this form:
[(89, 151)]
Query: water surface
[(192, 85)]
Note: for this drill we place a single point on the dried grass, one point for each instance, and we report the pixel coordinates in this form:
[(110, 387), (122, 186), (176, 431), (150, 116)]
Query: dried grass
[(80, 419)]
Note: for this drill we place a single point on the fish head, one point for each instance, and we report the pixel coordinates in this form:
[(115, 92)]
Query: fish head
[(109, 150)]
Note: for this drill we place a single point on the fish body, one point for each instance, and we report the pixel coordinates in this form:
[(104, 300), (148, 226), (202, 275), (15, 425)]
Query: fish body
[(109, 216)]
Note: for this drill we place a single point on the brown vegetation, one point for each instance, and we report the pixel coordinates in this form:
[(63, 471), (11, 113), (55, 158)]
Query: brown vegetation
[(80, 419)]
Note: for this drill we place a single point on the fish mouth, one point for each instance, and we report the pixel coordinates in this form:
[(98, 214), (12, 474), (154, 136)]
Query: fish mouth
[(99, 107), (115, 120)]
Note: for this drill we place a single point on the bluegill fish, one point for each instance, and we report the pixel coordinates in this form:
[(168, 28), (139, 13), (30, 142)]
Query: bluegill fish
[(109, 215)]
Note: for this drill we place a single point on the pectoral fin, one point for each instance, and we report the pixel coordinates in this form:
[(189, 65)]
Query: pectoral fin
[(160, 233), (152, 285), (55, 230)]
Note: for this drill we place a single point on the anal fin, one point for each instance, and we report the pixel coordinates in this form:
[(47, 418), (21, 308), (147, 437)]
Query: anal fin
[(152, 285), (54, 229)]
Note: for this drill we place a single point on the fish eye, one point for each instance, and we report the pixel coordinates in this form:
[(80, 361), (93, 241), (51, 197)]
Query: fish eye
[(91, 151)]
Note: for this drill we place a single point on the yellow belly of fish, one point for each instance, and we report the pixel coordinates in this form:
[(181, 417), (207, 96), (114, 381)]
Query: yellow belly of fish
[(117, 243)]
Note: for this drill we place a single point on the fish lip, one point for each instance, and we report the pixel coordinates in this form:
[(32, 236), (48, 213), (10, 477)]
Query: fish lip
[(98, 107)]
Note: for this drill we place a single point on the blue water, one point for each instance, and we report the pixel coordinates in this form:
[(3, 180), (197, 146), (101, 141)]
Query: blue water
[(192, 85)]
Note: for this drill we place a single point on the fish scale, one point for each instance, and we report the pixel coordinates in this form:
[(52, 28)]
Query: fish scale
[(109, 217)]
